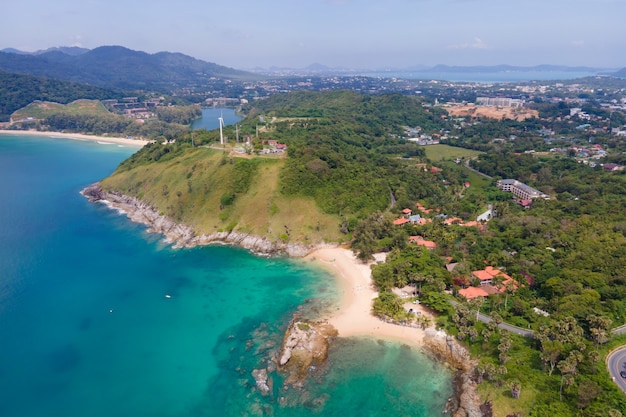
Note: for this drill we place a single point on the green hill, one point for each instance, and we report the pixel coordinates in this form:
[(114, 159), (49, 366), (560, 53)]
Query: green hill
[(43, 109), (345, 161), (211, 192), (17, 91)]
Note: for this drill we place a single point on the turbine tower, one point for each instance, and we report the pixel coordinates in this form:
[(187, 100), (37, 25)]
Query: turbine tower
[(221, 120)]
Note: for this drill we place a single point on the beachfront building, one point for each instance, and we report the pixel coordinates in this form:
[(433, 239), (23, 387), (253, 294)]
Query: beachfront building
[(521, 190)]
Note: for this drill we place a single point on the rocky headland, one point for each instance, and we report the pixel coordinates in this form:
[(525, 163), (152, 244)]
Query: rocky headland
[(181, 235)]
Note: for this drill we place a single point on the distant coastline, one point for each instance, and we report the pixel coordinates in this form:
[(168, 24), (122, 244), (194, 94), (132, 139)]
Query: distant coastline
[(78, 136)]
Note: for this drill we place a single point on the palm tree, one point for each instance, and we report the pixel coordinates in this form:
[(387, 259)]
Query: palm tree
[(516, 389)]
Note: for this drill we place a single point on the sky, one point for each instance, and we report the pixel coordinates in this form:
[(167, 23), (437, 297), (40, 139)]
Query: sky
[(357, 34)]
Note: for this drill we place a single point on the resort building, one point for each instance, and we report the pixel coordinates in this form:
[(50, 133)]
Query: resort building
[(521, 190), (500, 102)]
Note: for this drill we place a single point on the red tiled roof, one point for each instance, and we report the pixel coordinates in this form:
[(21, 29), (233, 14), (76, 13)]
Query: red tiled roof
[(406, 211), (473, 292), (490, 273), (422, 242), (400, 221)]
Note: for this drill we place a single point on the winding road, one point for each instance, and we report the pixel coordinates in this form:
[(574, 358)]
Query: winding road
[(616, 362)]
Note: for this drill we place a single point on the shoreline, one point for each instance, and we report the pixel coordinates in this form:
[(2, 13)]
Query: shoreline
[(353, 317), (139, 143)]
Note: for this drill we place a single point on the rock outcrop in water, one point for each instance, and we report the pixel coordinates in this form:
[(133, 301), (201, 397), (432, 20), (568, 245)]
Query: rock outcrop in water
[(184, 236), (305, 345)]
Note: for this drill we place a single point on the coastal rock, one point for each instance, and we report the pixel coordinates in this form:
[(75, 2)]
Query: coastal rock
[(182, 235), (304, 345), (262, 381), (446, 348)]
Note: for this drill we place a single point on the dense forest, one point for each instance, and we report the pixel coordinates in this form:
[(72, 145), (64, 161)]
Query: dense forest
[(17, 91)]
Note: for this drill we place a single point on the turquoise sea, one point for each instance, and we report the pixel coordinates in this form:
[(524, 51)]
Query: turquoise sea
[(87, 328)]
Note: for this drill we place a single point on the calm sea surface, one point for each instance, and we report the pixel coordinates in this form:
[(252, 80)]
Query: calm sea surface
[(87, 327)]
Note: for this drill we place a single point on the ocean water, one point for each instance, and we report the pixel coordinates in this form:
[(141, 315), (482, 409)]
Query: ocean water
[(485, 77), (99, 318)]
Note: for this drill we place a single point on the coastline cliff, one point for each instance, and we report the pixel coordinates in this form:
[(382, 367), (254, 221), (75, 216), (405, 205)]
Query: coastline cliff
[(181, 235)]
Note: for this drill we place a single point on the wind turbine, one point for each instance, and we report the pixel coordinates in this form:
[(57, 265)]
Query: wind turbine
[(221, 120)]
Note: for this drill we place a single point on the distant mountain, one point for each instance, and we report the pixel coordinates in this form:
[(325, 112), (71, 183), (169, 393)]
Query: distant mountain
[(118, 68), (620, 74), (14, 51), (68, 50)]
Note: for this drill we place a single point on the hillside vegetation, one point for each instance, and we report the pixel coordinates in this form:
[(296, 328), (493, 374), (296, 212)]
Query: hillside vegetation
[(17, 91), (345, 161), (211, 192), (44, 109)]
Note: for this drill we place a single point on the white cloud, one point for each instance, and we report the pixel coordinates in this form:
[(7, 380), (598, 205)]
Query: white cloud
[(476, 43)]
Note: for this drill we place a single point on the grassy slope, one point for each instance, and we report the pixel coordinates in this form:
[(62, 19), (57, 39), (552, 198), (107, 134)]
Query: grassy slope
[(189, 188), (438, 152), (43, 109)]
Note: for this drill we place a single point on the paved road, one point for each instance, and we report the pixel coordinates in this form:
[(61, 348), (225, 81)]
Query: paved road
[(619, 330), (616, 362), (508, 327), (505, 326)]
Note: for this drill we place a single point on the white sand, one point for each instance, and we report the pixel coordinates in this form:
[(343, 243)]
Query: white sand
[(103, 139), (354, 317)]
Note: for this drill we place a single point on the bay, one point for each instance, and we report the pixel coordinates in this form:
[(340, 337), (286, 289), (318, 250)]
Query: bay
[(100, 318)]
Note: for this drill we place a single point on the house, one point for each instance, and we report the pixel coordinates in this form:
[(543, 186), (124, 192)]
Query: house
[(486, 216), (611, 167), (415, 219), (400, 221), (487, 275), (418, 240), (407, 211), (473, 292), (471, 224)]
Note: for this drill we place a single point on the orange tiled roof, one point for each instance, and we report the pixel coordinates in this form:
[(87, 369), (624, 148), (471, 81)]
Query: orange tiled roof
[(422, 242), (400, 221), (490, 273), (473, 292)]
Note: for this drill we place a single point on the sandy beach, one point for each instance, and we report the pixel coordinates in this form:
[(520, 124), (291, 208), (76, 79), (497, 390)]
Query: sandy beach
[(354, 317), (77, 136)]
